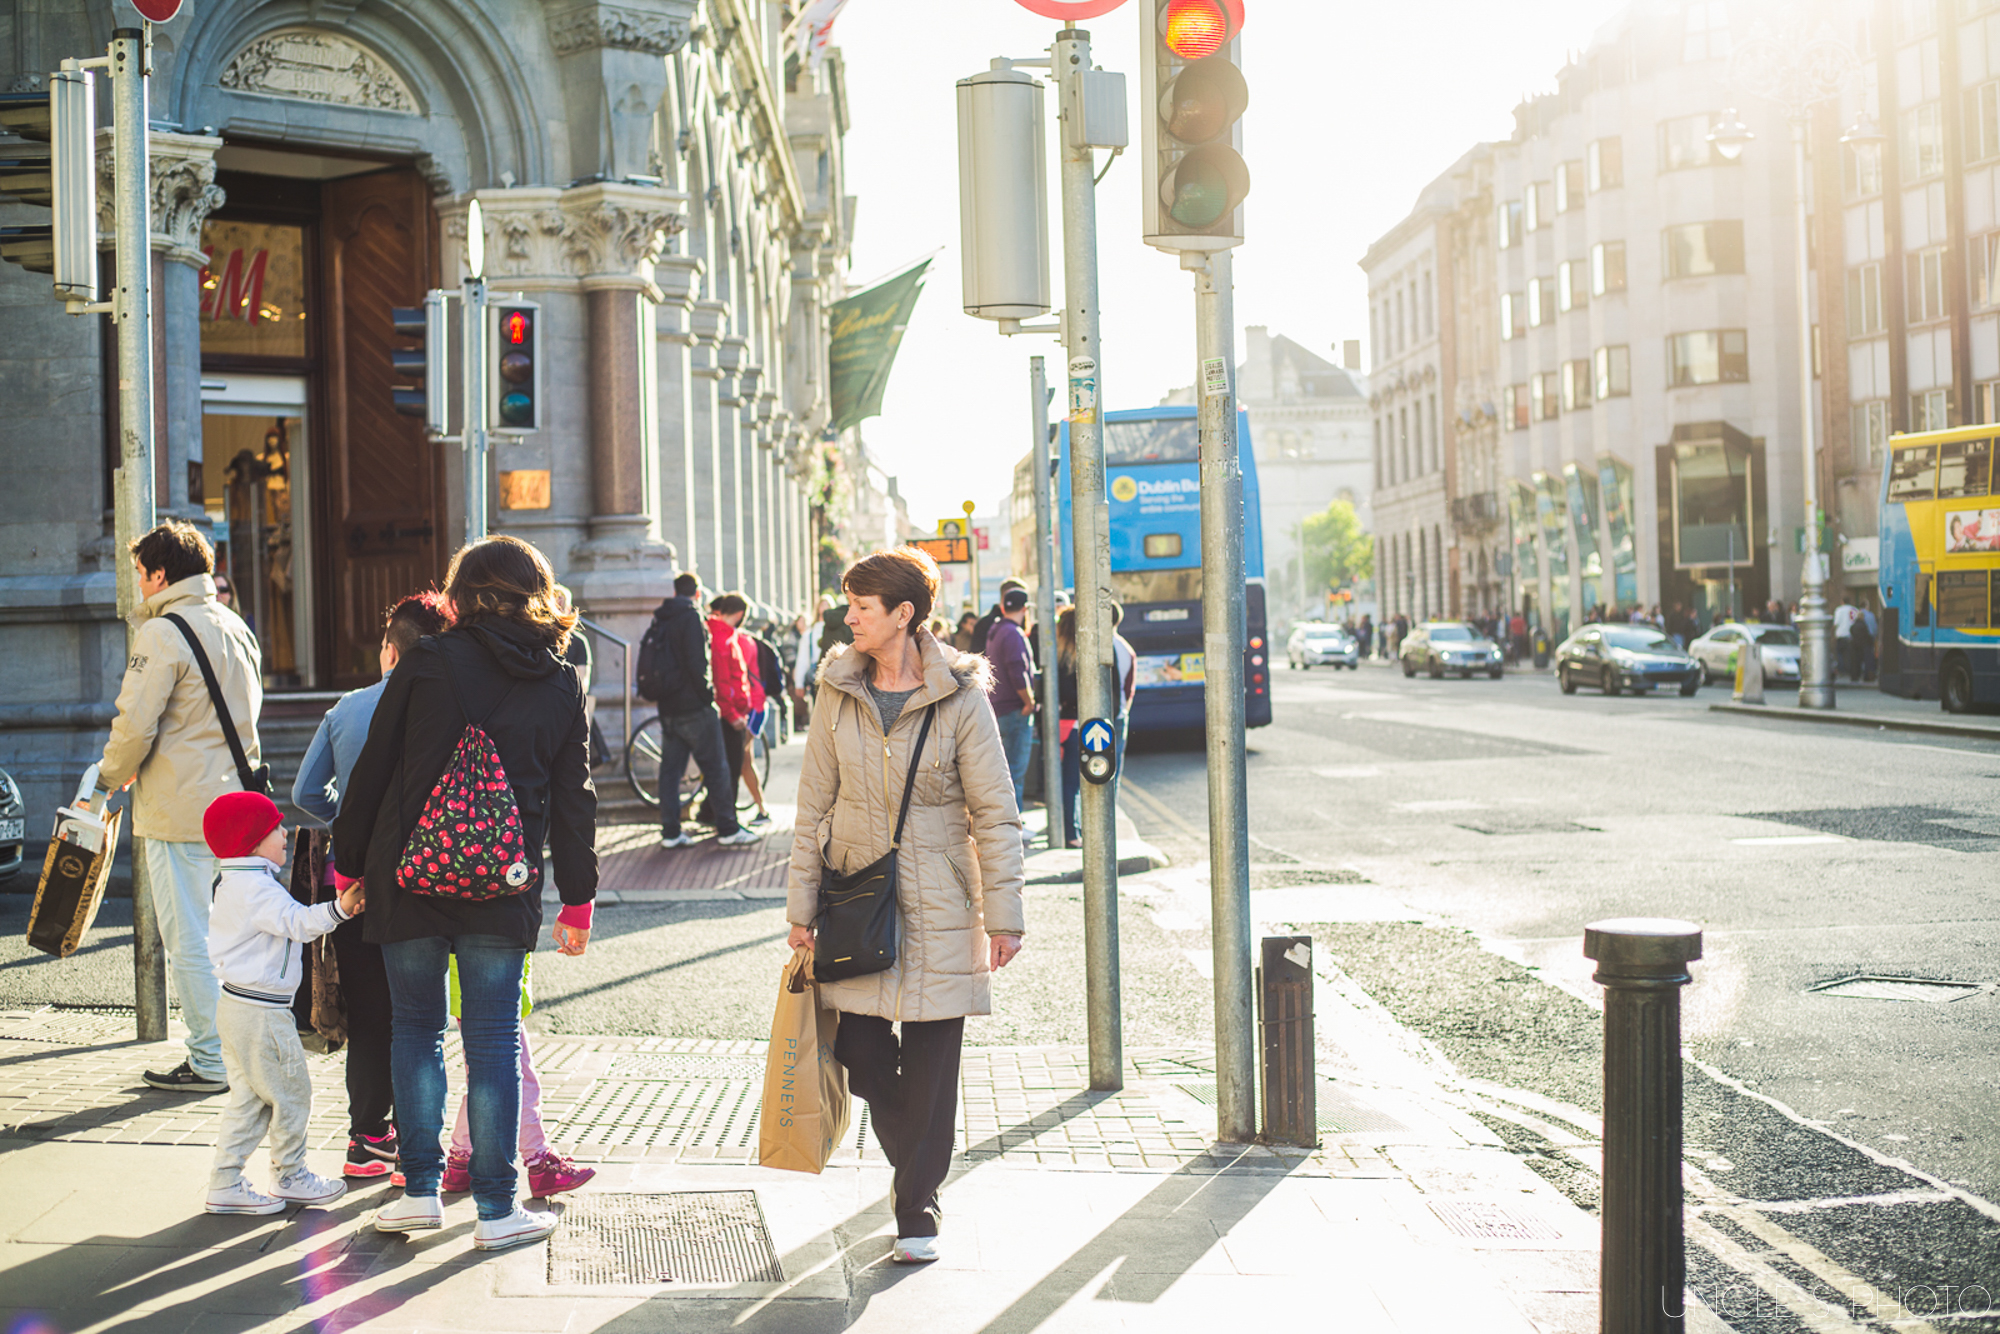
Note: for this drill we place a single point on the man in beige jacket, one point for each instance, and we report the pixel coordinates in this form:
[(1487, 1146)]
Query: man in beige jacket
[(168, 738)]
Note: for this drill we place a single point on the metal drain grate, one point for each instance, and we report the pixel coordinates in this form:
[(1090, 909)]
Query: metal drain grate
[(1339, 1112), (1486, 1221), (74, 1028), (673, 1065), (698, 1238), (1865, 987)]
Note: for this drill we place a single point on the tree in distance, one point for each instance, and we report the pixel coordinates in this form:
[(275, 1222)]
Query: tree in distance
[(1337, 551)]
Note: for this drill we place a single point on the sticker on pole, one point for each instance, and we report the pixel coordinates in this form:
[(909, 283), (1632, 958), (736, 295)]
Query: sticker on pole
[(1215, 376), (1098, 736), (1083, 390)]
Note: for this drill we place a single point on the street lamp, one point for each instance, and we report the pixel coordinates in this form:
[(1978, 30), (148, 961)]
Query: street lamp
[(1797, 70)]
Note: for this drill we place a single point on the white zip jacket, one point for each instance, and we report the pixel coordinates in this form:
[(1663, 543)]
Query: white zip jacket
[(254, 927)]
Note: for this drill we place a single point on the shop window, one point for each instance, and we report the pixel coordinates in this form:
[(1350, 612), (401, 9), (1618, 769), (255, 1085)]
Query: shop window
[(1711, 495), (253, 290)]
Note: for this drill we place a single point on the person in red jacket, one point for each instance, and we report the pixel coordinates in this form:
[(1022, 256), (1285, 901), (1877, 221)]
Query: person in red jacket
[(732, 694)]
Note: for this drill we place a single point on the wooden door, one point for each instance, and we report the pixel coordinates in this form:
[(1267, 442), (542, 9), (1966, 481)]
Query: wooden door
[(385, 516)]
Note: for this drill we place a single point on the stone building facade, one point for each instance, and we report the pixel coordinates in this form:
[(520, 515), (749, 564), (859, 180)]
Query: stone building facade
[(664, 177)]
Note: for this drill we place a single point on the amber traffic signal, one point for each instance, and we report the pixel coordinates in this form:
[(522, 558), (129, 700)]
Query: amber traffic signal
[(1194, 97)]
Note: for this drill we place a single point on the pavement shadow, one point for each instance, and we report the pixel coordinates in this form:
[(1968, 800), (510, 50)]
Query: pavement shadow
[(626, 979)]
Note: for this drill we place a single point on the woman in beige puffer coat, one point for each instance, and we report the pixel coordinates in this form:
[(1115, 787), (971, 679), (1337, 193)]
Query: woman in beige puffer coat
[(959, 865)]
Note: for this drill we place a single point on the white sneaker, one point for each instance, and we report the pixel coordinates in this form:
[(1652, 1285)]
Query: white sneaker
[(516, 1229), (412, 1213), (914, 1250), (684, 841), (739, 838), (242, 1198), (309, 1188)]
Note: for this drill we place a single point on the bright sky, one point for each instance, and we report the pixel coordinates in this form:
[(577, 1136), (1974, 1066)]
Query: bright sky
[(1353, 109)]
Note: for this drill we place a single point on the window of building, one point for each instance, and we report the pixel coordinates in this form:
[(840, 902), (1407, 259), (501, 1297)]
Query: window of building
[(1611, 372), (1986, 401), (1379, 480), (1607, 267), (1425, 305), (1930, 410), (1605, 159), (1705, 31), (1864, 300), (1576, 385), (1986, 270), (1869, 424), (1402, 330), (1923, 287), (1863, 169), (1914, 19), (1375, 332), (1712, 356), (1701, 249), (1541, 302), (1508, 220), (1572, 285), (1684, 143), (1437, 443), (1923, 142), (1569, 186), (253, 289), (1982, 122), (1513, 315), (1538, 207), (1544, 397), (1514, 407)]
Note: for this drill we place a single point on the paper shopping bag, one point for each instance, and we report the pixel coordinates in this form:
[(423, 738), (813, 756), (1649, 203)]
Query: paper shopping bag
[(805, 1090), (74, 873)]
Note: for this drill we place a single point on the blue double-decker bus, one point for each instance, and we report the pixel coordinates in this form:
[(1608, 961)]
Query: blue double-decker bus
[(1152, 476), (1940, 567)]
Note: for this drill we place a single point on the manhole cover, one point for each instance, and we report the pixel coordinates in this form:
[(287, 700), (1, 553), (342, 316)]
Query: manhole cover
[(1486, 1221), (1862, 987), (699, 1238), (686, 1066), (1338, 1112), (74, 1028)]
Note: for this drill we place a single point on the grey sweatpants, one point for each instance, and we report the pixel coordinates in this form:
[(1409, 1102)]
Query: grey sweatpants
[(270, 1088)]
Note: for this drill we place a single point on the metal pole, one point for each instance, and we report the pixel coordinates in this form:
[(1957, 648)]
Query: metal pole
[(1815, 625), (1091, 539), (1222, 628), (1642, 965), (131, 60), (1050, 561), (473, 307), (977, 603)]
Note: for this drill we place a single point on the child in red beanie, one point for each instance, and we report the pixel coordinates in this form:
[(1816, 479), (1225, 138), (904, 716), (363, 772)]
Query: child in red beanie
[(254, 926)]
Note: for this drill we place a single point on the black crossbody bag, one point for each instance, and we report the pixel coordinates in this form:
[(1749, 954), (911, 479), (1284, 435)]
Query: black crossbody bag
[(855, 933), (256, 780)]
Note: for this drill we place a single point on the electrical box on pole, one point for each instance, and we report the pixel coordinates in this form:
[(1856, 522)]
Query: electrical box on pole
[(1003, 194), (1192, 97), (56, 168)]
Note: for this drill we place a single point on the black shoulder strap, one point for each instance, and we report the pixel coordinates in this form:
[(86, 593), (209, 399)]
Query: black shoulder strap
[(910, 784), (215, 698), (451, 678)]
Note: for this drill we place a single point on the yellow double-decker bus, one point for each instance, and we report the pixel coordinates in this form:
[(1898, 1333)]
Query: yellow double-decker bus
[(1940, 568)]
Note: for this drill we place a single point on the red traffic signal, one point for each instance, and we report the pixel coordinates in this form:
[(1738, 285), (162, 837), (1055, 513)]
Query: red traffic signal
[(1197, 29), (516, 369), (517, 328)]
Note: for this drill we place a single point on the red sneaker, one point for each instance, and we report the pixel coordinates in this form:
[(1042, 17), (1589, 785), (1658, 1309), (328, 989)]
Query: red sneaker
[(457, 1178), (550, 1173)]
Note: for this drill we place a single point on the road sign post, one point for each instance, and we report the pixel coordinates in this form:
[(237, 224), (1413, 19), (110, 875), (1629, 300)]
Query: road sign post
[(1049, 560)]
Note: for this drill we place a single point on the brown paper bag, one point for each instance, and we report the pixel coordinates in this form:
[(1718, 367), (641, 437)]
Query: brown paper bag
[(805, 1106)]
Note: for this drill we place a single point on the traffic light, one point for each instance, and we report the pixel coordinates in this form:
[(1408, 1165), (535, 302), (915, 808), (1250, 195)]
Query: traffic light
[(516, 368), (55, 169), (1194, 96), (428, 363)]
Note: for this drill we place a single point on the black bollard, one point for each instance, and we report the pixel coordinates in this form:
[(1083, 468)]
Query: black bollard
[(1642, 965)]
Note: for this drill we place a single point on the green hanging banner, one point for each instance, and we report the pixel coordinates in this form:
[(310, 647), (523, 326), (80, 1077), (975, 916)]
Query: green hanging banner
[(866, 330)]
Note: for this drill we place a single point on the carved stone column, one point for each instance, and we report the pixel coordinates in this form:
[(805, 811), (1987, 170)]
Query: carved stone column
[(679, 279), (729, 457), (710, 322), (611, 64), (752, 521)]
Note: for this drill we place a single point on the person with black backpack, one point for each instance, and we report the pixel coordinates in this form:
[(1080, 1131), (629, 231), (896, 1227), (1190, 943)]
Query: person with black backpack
[(674, 674)]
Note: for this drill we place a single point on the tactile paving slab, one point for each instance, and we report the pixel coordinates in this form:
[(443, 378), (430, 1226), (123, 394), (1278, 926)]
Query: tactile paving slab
[(697, 1238), (674, 1065)]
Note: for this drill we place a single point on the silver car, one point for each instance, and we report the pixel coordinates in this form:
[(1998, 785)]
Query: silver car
[(1777, 646), (1316, 644)]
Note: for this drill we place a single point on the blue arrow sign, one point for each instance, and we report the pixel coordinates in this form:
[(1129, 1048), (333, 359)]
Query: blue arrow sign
[(1097, 736)]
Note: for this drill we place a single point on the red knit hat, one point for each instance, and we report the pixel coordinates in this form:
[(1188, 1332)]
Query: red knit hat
[(236, 822)]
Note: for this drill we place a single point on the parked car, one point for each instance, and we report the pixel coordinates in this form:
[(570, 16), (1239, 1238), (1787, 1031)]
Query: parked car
[(1617, 658), (1777, 645), (13, 825), (1448, 646), (1317, 644)]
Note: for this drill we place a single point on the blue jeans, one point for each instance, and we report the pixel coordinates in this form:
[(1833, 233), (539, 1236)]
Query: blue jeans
[(183, 881), (698, 735), (489, 988), (1017, 742)]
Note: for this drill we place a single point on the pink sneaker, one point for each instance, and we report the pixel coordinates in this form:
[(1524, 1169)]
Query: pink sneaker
[(457, 1178), (550, 1173)]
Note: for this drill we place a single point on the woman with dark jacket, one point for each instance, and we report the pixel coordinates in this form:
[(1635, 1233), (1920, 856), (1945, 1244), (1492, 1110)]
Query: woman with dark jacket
[(496, 677)]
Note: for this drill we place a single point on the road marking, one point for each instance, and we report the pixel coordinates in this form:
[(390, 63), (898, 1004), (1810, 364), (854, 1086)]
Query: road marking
[(1790, 840), (1445, 804), (1159, 808)]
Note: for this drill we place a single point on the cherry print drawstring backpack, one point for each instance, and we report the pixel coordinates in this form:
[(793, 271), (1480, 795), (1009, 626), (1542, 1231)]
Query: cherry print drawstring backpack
[(469, 843)]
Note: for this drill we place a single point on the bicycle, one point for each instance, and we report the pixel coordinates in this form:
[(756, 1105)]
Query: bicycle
[(642, 766)]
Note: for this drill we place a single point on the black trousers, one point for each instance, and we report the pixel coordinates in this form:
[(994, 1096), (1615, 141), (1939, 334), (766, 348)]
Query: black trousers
[(912, 1090), (717, 809), (364, 986), (700, 735)]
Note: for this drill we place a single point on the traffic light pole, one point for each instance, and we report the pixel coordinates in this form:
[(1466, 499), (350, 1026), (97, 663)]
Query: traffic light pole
[(1091, 545), (1050, 561), (472, 308), (1222, 625), (130, 65)]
